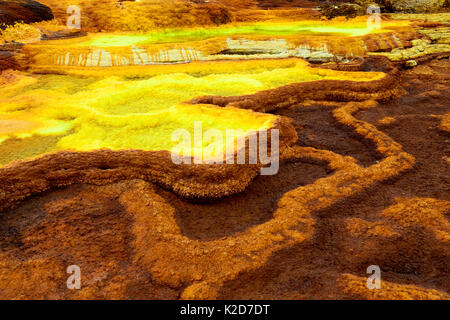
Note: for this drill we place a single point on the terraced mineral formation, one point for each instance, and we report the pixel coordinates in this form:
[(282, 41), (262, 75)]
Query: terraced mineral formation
[(310, 40), (87, 176), (87, 123), (435, 39)]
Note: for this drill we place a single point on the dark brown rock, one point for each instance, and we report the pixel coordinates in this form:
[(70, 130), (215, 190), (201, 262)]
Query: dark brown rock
[(28, 11), (349, 10), (63, 34)]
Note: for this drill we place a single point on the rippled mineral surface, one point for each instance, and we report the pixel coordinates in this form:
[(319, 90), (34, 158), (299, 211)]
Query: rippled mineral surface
[(89, 105)]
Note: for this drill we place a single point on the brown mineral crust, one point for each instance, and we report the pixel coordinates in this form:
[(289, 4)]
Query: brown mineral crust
[(434, 56), (389, 41), (370, 63), (408, 239), (312, 197), (7, 60), (202, 267), (357, 64), (397, 229), (354, 287), (445, 124)]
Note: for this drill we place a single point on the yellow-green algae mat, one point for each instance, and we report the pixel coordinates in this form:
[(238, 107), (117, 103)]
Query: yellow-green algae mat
[(47, 113)]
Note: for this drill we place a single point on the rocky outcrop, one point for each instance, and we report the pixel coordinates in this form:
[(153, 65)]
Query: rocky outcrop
[(407, 6), (417, 6), (28, 11), (285, 3), (349, 10), (63, 34), (437, 41)]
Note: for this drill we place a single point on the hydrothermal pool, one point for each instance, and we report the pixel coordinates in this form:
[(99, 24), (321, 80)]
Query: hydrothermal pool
[(118, 113), (118, 40)]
